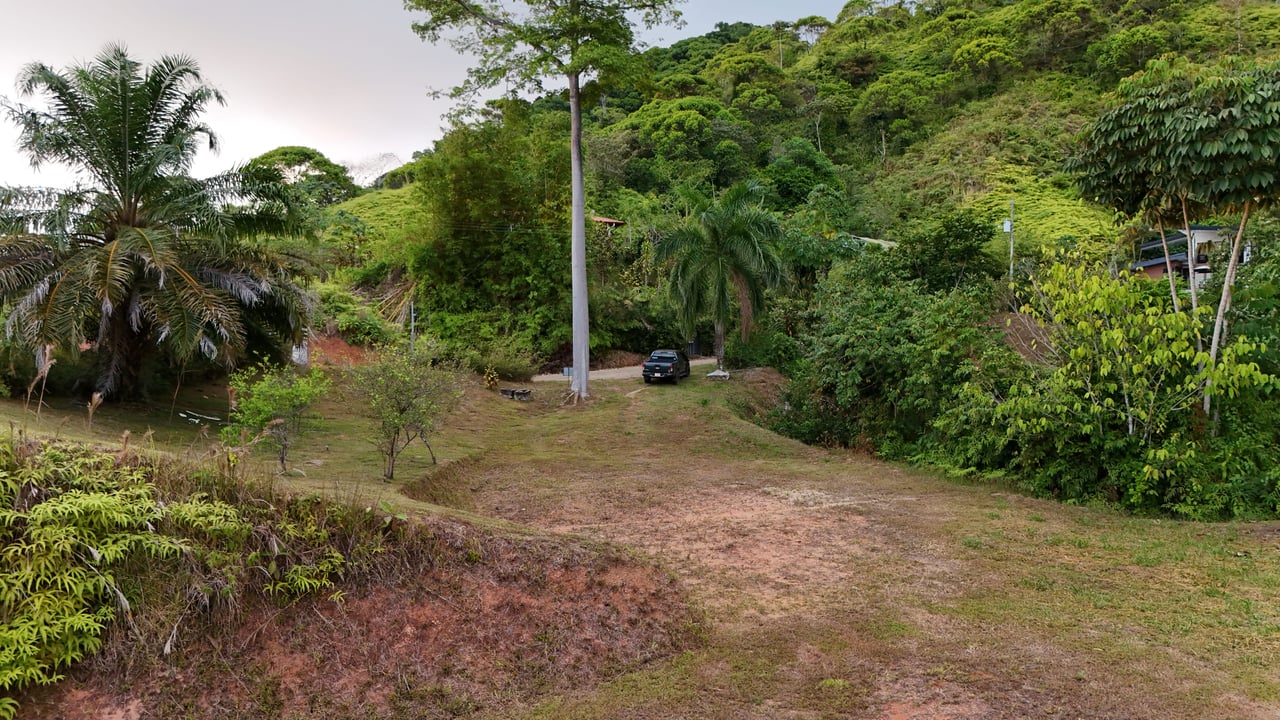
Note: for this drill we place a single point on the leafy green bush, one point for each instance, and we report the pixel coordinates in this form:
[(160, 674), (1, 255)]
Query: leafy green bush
[(363, 327), (272, 401), (636, 319), (352, 318), (772, 342), (1114, 410), (883, 358), (476, 342), (510, 361)]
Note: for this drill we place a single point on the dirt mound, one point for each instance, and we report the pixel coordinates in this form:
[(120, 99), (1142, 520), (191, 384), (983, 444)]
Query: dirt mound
[(477, 621), (334, 351), (757, 393), (563, 358)]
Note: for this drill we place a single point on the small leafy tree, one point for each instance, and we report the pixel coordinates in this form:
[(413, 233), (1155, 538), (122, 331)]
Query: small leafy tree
[(273, 400), (407, 394), (1181, 136)]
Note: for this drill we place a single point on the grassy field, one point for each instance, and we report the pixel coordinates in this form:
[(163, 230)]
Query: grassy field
[(831, 584)]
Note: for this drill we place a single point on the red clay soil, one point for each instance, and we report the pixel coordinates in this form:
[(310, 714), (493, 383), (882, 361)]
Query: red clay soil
[(499, 625), (333, 351)]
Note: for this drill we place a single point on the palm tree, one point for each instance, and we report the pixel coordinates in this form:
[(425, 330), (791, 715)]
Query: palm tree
[(724, 255), (143, 261)]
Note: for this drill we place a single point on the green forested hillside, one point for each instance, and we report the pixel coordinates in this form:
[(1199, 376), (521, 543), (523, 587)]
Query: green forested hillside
[(924, 126), (902, 114), (915, 109)]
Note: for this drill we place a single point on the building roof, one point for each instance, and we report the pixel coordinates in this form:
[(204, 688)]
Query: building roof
[(1178, 237), (1174, 258)]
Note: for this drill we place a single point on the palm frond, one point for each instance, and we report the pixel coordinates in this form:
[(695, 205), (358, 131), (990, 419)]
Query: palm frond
[(147, 259), (725, 257), (24, 261)]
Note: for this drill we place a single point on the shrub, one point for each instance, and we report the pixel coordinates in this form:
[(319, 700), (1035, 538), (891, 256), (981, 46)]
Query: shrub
[(772, 342), (69, 522), (509, 361), (273, 401), (353, 319), (406, 393), (884, 358), (1114, 410), (87, 538)]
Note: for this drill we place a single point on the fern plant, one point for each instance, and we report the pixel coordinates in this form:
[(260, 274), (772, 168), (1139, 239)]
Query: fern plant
[(73, 521), (66, 521)]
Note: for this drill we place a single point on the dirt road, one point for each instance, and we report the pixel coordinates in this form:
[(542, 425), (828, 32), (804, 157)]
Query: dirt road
[(627, 373)]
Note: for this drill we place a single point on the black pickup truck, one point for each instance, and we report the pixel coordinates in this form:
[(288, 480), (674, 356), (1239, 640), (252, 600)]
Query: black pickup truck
[(665, 365)]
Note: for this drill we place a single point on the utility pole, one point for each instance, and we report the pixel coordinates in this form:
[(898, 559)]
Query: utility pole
[(1008, 226)]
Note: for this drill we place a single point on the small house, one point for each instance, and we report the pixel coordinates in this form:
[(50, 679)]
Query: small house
[(1190, 257)]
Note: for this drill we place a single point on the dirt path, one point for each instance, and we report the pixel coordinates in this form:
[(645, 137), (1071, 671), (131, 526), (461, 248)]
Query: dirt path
[(624, 373), (838, 586)]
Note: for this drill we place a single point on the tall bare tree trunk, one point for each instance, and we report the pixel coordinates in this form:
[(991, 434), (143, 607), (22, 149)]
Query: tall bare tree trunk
[(1168, 264), (1192, 254), (719, 345), (1224, 305), (578, 246)]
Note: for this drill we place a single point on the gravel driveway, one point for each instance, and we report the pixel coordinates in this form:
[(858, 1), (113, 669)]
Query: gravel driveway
[(624, 373)]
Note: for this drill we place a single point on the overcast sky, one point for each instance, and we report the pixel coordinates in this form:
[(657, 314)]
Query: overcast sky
[(347, 77)]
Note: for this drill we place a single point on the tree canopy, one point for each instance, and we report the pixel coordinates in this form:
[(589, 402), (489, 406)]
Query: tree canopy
[(317, 177)]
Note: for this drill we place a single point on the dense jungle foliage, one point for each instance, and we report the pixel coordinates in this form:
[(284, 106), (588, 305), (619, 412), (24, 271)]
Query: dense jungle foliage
[(891, 142)]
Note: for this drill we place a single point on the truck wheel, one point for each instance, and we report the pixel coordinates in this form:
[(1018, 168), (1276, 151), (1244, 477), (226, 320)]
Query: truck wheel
[(647, 379)]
